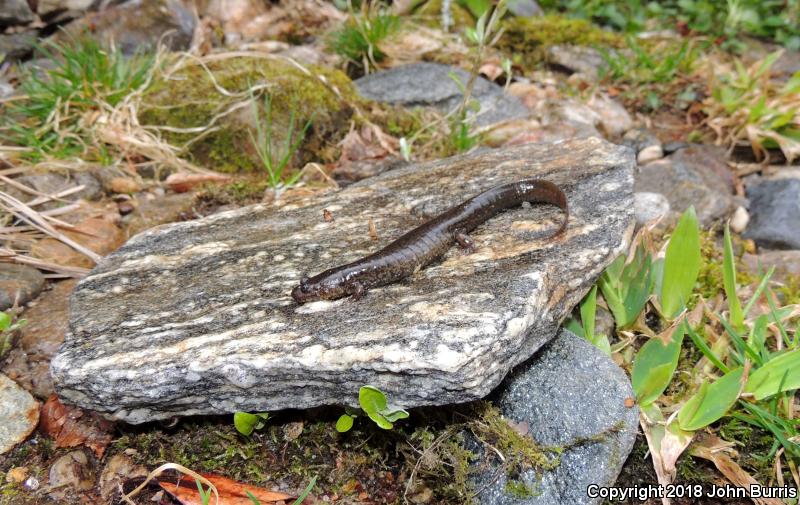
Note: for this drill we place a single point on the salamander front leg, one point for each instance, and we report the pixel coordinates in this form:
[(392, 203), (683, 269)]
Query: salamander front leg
[(465, 241), (356, 290)]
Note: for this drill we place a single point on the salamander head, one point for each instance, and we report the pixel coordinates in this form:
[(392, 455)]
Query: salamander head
[(320, 287)]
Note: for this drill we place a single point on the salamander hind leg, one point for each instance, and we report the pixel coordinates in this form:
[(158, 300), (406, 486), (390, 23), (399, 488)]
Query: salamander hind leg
[(356, 290), (465, 241)]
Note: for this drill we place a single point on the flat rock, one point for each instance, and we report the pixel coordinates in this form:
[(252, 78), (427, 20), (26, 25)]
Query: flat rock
[(571, 395), (19, 284), (430, 84), (775, 213), (19, 412), (696, 175), (28, 363), (15, 12), (196, 317)]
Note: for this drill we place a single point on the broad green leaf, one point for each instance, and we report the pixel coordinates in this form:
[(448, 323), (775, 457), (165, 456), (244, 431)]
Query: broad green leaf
[(394, 414), (344, 423), (711, 402), (729, 281), (575, 327), (781, 373), (654, 366), (681, 265), (602, 343), (245, 422), (588, 311), (371, 399), (381, 421), (627, 287), (5, 321)]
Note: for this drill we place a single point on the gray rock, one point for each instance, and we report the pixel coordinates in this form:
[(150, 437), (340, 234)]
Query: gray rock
[(775, 214), (15, 12), (649, 206), (695, 176), (140, 25), (581, 59), (786, 263), (19, 412), (639, 138), (570, 395), (525, 8), (48, 7), (69, 474), (19, 284), (16, 46), (648, 154), (429, 84), (52, 183), (196, 317)]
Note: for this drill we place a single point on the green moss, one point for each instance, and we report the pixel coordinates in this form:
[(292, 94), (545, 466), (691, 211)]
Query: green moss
[(190, 99), (527, 38), (519, 489), (710, 278)]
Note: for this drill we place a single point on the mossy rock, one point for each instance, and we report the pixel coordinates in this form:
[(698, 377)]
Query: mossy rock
[(189, 99), (527, 38)]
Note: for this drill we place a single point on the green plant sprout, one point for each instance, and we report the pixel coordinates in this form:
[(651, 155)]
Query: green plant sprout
[(358, 41), (8, 325), (273, 161), (373, 401), (246, 422)]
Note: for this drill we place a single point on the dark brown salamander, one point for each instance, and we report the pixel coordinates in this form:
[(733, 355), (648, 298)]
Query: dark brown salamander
[(427, 242)]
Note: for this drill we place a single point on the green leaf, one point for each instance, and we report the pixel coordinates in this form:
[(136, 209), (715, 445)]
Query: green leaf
[(781, 373), (588, 310), (5, 321), (729, 282), (344, 424), (627, 287), (306, 491), (654, 366), (371, 399), (394, 414), (246, 422), (575, 327), (681, 265), (711, 402), (602, 343)]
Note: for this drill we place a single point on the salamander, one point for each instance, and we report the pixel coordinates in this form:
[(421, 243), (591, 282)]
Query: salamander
[(424, 244)]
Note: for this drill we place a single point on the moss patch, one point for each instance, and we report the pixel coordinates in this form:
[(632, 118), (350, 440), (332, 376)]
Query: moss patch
[(526, 39), (189, 99)]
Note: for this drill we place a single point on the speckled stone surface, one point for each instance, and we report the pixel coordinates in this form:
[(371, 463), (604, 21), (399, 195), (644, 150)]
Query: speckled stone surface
[(568, 392), (19, 414), (196, 317)]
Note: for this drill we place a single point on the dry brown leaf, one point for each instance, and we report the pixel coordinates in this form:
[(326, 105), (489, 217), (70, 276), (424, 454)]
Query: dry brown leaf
[(231, 492), (713, 449), (181, 182), (71, 426)]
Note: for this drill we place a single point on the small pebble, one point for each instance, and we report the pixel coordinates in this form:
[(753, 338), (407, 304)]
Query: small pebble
[(649, 206), (123, 185), (125, 208), (31, 484), (650, 153), (739, 219)]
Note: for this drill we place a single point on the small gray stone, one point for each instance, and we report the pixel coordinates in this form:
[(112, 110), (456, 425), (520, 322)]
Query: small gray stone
[(52, 183), (649, 207), (585, 60), (569, 394), (775, 214), (695, 176), (430, 84), (70, 473), (15, 12), (639, 138), (16, 46), (19, 412), (524, 8), (19, 284), (140, 25), (739, 219), (196, 317)]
